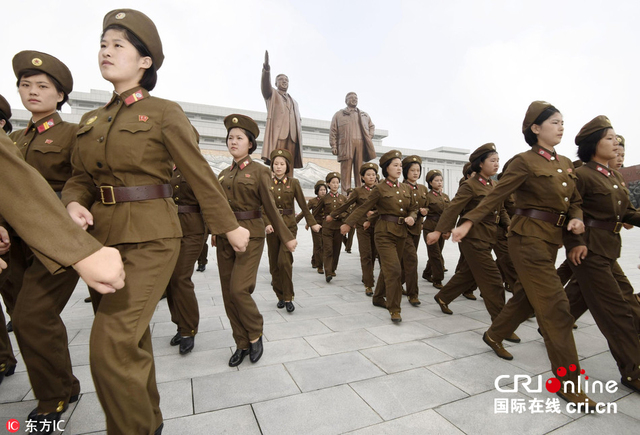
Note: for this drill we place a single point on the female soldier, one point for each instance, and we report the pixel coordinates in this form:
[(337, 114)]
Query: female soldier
[(437, 203), (122, 166), (44, 84), (479, 265), (181, 295), (364, 230), (395, 207), (331, 237), (284, 191), (246, 184), (546, 197), (320, 189), (592, 256), (411, 171)]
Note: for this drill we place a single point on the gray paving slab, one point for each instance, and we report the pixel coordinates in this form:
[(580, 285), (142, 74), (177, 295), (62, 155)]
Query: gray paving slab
[(620, 424), (404, 331), (404, 393), (231, 421), (353, 321), (333, 370), (452, 324), (287, 330), (193, 365), (337, 342), (459, 345), (330, 411), (420, 423), (405, 356), (211, 393)]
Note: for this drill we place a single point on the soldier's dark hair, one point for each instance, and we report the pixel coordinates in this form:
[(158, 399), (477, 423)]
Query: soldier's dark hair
[(150, 76), (34, 72), (405, 169), (7, 127), (587, 146), (385, 166), (249, 135), (529, 136), (475, 165), (285, 160), (317, 188)]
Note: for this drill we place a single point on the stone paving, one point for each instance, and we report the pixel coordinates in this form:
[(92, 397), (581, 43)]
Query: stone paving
[(338, 365)]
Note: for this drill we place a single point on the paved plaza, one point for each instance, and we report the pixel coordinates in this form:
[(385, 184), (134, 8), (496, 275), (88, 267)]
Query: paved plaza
[(337, 364)]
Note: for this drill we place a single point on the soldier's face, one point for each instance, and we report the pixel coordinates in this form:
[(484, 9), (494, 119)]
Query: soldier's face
[(607, 148), (490, 166), (282, 83), (279, 166), (370, 177), (39, 95), (334, 184), (436, 183), (120, 63), (413, 173), (550, 131), (394, 170), (238, 143), (352, 100), (322, 191), (619, 160)]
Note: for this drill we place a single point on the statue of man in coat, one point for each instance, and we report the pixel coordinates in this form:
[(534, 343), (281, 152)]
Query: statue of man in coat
[(283, 128), (351, 139)]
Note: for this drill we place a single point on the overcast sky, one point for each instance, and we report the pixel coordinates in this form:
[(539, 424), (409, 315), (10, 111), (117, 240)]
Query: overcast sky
[(445, 73)]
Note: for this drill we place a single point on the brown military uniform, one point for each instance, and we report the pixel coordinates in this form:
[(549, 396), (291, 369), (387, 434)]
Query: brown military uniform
[(284, 193), (501, 249), (331, 237), (479, 266), (347, 239), (38, 296), (181, 295), (134, 140), (604, 202), (437, 203), (366, 244), (542, 181), (410, 253), (389, 199), (247, 188), (316, 257)]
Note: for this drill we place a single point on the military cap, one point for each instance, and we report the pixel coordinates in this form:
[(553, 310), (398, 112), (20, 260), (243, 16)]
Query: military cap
[(432, 174), (5, 109), (319, 183), (141, 26), (331, 175), (390, 155), (534, 110), (411, 159), (466, 168), (596, 124), (46, 63), (366, 166), (620, 139), (488, 147), (241, 121), (280, 153)]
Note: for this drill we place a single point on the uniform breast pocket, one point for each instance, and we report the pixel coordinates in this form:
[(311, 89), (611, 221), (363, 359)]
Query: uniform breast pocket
[(134, 139), (601, 190), (47, 149), (247, 183)]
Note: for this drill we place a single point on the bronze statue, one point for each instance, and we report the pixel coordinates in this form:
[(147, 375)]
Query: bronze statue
[(351, 140), (283, 128)]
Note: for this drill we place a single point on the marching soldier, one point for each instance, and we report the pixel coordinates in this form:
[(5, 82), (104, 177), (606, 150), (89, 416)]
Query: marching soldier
[(437, 202), (320, 189)]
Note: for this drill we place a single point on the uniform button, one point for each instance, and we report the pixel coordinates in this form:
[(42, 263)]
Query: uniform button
[(397, 192), (552, 158), (177, 198), (619, 202), (399, 200), (559, 170), (109, 118), (178, 176), (566, 199), (101, 139), (278, 197), (629, 378), (177, 187), (564, 183), (229, 187), (618, 217), (615, 186), (99, 164)]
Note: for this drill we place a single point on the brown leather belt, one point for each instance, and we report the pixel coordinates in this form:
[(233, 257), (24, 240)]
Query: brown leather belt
[(609, 226), (433, 217), (246, 215), (111, 195), (188, 209), (285, 211), (392, 218), (557, 219)]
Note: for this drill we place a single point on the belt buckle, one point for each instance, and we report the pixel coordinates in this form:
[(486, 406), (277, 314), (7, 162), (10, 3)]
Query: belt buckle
[(108, 189), (400, 220), (561, 219), (617, 228), (497, 219)]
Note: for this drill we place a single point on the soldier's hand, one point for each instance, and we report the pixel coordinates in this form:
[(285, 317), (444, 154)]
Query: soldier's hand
[(316, 228), (576, 226), (239, 239), (424, 211), (344, 229), (268, 229), (265, 65), (3, 265), (433, 237), (103, 270), (577, 254), (334, 151), (366, 225), (291, 245), (409, 221), (461, 232), (80, 215), (328, 218), (5, 242)]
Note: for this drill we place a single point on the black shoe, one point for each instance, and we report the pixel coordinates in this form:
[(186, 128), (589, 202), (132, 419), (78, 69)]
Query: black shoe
[(290, 306), (159, 430), (176, 339), (10, 326), (427, 276), (6, 370), (255, 350), (280, 304), (39, 419), (201, 268), (186, 345), (87, 300), (238, 357), (329, 278)]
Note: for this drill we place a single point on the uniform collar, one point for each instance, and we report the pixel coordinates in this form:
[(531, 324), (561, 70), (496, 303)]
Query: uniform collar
[(129, 97), (544, 152), (283, 180), (435, 193), (483, 180), (391, 184), (333, 195), (44, 124), (243, 164), (600, 168), (413, 186), (367, 188)]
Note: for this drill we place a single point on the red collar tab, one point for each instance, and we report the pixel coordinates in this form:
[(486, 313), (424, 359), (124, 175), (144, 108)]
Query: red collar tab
[(46, 125), (283, 181), (367, 188), (136, 96), (244, 164), (544, 153), (413, 186), (435, 193), (483, 181), (333, 195), (391, 184), (604, 171)]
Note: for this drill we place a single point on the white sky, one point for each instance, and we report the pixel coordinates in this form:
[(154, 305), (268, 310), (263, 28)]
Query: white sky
[(432, 73)]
